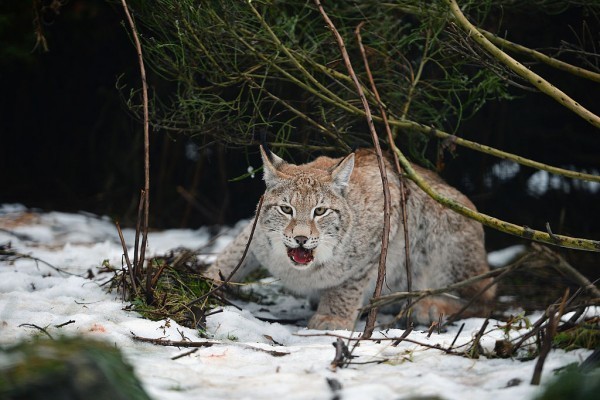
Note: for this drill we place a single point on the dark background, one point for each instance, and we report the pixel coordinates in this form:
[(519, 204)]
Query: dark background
[(68, 142)]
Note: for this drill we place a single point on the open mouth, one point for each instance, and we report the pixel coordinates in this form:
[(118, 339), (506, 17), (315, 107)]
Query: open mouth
[(300, 255)]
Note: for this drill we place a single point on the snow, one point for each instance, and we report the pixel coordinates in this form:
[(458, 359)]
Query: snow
[(541, 182), (239, 364), (502, 257)]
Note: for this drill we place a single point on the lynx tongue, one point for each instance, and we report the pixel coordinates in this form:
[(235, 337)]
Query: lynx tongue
[(300, 255)]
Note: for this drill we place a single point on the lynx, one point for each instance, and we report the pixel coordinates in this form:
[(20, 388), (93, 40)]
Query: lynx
[(319, 232)]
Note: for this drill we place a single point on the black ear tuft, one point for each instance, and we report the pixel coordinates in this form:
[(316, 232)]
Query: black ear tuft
[(262, 139), (342, 172), (267, 149), (271, 164)]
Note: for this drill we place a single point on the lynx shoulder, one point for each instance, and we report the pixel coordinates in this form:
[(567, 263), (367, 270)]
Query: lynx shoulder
[(319, 232)]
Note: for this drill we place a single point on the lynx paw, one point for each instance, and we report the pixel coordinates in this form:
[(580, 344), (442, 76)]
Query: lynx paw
[(435, 308), (329, 322)]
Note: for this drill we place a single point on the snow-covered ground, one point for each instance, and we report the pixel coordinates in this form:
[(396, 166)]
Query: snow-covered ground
[(241, 364)]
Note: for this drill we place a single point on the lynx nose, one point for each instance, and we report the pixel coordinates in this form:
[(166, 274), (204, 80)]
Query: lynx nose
[(301, 240)]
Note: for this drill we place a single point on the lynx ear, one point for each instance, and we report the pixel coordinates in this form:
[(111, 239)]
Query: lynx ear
[(341, 174), (271, 164)]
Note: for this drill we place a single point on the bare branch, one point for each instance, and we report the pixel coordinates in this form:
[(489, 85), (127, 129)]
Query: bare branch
[(380, 162), (400, 296), (146, 192), (126, 254), (553, 320), (390, 137)]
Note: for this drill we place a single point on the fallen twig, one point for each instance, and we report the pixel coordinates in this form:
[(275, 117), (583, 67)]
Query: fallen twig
[(475, 349), (404, 335), (456, 336), (16, 255), (359, 338), (65, 323), (127, 260), (38, 328), (197, 344), (343, 356), (187, 353), (171, 343), (399, 296)]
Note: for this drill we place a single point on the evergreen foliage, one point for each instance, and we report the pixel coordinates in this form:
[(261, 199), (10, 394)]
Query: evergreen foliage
[(245, 68)]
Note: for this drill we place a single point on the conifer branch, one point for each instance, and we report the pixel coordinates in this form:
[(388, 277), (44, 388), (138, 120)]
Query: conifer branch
[(427, 130), (293, 59), (524, 72), (536, 55), (504, 43)]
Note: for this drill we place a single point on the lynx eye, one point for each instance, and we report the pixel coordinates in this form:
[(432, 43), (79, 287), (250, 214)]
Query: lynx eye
[(286, 210), (319, 211)]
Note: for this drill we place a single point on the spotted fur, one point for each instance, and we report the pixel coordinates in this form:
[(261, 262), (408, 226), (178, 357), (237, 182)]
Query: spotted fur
[(344, 240)]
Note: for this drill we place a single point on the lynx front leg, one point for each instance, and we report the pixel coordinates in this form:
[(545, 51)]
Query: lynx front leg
[(338, 306), (229, 258)]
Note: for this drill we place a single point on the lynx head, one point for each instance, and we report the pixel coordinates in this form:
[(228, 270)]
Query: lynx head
[(305, 214)]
